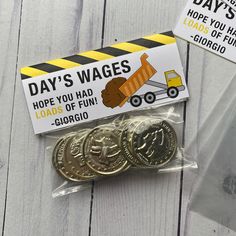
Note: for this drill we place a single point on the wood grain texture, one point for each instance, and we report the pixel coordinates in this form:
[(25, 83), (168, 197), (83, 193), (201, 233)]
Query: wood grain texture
[(9, 25), (133, 204), (49, 29), (137, 204)]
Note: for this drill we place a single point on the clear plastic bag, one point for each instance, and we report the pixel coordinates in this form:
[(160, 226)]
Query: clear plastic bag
[(1, 164), (148, 140), (214, 194)]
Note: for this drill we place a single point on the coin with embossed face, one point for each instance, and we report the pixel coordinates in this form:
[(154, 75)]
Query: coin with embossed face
[(154, 143), (71, 167), (102, 151), (59, 160), (74, 158)]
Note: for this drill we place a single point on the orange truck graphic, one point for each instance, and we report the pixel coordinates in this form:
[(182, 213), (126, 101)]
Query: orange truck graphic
[(138, 79), (119, 90)]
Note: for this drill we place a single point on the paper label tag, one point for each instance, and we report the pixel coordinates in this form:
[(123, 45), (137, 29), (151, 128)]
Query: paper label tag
[(231, 3), (104, 88), (210, 24)]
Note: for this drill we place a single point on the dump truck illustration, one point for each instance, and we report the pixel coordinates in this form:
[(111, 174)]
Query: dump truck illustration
[(121, 90)]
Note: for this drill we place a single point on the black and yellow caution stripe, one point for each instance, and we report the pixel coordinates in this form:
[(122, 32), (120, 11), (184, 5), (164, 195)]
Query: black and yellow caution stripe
[(112, 51)]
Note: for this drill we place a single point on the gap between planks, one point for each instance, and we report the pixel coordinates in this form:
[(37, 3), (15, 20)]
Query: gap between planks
[(11, 118)]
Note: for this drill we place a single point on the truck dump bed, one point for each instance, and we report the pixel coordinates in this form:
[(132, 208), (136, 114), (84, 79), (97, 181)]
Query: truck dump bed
[(138, 79)]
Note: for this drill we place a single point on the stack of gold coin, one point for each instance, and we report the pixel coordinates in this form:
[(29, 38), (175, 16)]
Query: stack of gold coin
[(108, 150)]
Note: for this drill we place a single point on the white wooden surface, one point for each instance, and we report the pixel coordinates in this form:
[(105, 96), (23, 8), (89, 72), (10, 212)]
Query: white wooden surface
[(36, 30)]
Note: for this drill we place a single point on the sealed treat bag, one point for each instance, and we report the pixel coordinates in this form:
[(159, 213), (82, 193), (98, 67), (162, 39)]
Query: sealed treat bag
[(214, 194), (200, 140), (108, 111), (149, 142)]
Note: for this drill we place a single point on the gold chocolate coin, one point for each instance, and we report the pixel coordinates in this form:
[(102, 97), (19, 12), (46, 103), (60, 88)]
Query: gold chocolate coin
[(102, 151)]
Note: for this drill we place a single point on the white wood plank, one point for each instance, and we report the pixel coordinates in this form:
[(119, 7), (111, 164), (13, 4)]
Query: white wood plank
[(137, 204), (209, 75), (49, 29), (129, 204), (9, 25)]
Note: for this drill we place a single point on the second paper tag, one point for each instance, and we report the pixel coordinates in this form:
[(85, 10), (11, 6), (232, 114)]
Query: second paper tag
[(210, 24)]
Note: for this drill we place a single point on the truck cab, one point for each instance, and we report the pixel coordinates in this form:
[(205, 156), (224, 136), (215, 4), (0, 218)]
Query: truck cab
[(173, 79)]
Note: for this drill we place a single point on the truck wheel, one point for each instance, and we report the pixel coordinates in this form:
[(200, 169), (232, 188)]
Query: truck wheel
[(172, 92), (150, 97), (136, 101)]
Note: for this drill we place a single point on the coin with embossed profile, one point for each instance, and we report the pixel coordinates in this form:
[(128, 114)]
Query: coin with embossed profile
[(59, 160), (102, 151), (74, 159), (68, 165), (154, 143)]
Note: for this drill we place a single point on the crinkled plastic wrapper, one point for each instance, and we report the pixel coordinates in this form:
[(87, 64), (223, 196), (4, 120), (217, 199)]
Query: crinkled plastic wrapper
[(214, 194), (149, 141), (1, 164)]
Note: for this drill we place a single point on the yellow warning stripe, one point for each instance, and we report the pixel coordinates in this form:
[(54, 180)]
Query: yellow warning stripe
[(161, 38), (99, 56), (129, 47), (65, 64), (115, 50), (32, 72)]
